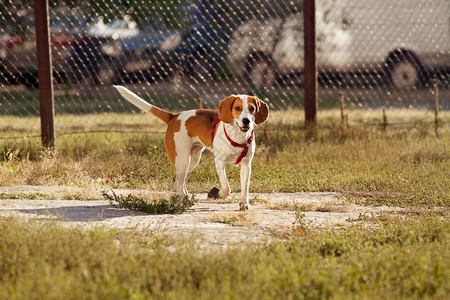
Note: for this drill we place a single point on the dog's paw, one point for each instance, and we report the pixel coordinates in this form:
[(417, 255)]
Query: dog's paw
[(214, 193), (243, 206)]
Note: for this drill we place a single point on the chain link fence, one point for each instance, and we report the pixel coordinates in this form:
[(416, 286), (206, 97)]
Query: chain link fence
[(179, 53)]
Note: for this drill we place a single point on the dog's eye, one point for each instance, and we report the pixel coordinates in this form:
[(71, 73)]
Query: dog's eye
[(251, 109), (237, 108)]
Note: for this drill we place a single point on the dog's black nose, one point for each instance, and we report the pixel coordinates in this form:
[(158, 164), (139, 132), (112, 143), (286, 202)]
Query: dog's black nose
[(245, 121)]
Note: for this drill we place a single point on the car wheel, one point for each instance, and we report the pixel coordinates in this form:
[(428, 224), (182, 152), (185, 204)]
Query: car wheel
[(404, 73), (260, 72)]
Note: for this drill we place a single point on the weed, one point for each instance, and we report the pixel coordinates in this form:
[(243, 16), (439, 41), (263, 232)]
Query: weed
[(299, 223), (258, 200), (175, 205)]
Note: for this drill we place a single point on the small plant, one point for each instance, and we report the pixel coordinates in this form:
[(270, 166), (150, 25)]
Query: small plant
[(299, 223), (175, 205), (257, 200)]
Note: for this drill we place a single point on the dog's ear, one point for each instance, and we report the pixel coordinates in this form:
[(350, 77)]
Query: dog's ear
[(262, 112), (225, 107)]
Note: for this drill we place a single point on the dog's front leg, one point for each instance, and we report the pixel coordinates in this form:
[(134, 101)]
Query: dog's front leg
[(246, 171), (224, 186)]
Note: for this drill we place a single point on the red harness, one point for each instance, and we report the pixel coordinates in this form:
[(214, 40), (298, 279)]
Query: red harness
[(233, 143)]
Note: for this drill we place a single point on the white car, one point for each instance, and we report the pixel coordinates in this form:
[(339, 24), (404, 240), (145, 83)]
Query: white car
[(407, 40)]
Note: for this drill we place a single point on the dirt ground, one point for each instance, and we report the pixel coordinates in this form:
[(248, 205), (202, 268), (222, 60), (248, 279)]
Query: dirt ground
[(216, 223)]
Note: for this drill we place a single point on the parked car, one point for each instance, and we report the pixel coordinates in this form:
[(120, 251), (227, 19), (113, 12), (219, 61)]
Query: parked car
[(19, 58), (94, 60), (157, 51), (401, 42)]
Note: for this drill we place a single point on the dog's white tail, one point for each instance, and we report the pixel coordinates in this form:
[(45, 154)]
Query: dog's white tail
[(133, 98), (144, 105)]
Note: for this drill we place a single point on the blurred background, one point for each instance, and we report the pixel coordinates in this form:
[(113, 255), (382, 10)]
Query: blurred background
[(175, 53)]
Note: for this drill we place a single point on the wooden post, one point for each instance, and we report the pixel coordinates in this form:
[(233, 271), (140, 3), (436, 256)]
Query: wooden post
[(311, 97), (341, 102), (436, 106), (385, 123), (44, 59), (199, 102)]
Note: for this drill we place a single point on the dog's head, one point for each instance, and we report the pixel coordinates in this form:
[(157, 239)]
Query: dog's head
[(244, 111)]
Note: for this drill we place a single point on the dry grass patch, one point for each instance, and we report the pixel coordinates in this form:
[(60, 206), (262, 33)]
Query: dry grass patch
[(333, 208), (242, 218), (296, 206), (285, 205)]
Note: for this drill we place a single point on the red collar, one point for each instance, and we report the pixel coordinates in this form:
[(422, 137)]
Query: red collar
[(233, 143)]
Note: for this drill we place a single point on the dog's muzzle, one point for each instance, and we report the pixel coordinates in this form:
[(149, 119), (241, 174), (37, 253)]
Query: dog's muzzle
[(246, 125)]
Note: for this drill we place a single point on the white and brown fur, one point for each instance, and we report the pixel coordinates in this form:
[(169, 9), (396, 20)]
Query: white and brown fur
[(190, 132)]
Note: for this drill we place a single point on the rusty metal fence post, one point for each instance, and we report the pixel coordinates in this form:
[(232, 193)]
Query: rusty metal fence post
[(44, 59), (311, 97)]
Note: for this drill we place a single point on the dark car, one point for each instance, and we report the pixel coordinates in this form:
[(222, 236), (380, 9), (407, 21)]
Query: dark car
[(96, 60), (157, 51)]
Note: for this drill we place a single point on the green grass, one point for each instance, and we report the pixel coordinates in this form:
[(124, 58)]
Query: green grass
[(393, 257), (402, 166), (29, 196), (399, 258)]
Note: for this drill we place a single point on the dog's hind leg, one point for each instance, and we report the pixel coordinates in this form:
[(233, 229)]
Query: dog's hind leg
[(184, 164), (181, 168), (179, 144), (196, 154)]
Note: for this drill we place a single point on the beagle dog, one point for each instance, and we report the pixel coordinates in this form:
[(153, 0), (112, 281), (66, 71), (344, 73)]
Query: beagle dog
[(228, 133)]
